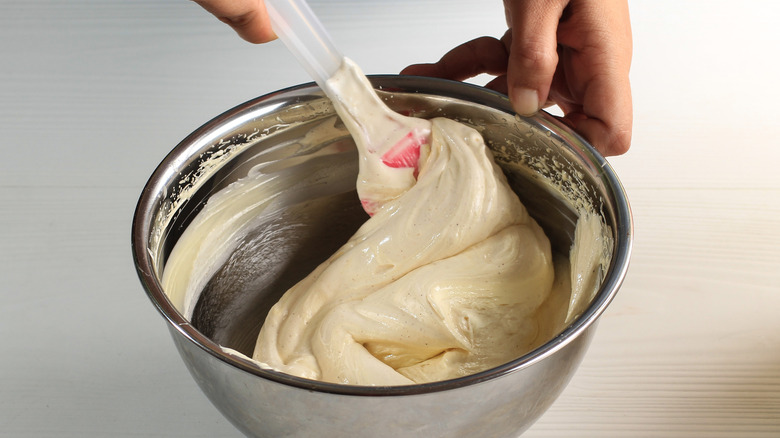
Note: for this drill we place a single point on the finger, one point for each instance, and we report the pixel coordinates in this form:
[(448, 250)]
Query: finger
[(532, 54), (606, 116), (498, 84), (592, 84), (481, 55), (248, 18), (602, 112)]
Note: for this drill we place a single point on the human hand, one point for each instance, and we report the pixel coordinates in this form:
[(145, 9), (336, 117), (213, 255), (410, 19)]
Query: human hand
[(574, 53), (248, 18)]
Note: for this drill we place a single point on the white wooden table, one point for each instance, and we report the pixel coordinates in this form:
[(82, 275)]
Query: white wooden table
[(94, 93)]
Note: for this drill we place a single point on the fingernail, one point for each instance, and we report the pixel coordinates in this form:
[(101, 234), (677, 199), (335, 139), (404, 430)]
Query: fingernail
[(525, 101)]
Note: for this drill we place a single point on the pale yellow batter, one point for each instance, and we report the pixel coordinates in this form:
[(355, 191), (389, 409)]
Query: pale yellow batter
[(450, 275)]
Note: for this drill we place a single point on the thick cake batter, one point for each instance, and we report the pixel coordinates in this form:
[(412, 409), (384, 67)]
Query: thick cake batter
[(449, 276)]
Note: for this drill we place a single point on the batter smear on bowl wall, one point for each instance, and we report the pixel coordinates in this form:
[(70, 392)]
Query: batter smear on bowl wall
[(449, 276)]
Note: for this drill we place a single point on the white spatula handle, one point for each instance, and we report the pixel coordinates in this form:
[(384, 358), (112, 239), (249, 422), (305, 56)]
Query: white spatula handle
[(303, 34)]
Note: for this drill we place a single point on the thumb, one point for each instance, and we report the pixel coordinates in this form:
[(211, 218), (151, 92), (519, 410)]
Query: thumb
[(248, 18), (533, 53)]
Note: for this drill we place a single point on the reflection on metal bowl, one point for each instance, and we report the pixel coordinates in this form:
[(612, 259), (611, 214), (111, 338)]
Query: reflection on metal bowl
[(552, 169)]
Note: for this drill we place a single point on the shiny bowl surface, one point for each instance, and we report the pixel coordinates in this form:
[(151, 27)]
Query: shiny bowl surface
[(551, 168)]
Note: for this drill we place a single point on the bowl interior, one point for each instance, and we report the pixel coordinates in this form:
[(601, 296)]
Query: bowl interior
[(296, 134)]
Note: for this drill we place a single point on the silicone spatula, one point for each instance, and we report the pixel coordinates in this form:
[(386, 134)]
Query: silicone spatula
[(389, 143)]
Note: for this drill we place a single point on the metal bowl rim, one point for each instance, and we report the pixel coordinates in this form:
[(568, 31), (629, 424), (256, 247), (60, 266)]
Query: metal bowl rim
[(409, 84)]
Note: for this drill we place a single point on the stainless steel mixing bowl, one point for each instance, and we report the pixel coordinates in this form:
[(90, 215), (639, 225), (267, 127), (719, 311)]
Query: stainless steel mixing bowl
[(295, 130)]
